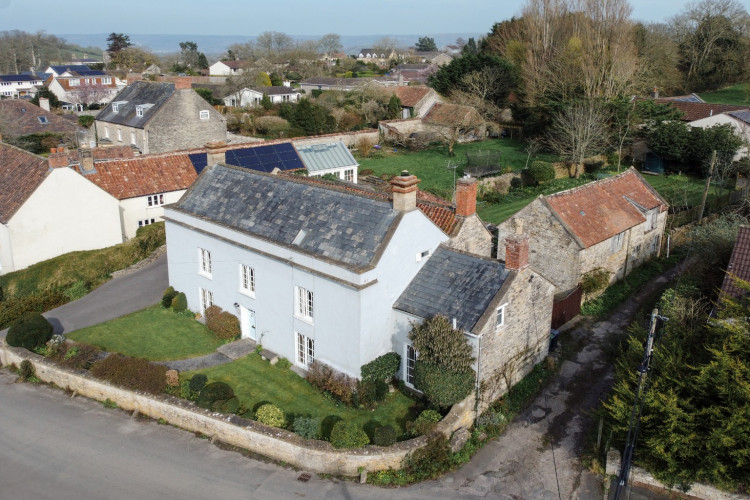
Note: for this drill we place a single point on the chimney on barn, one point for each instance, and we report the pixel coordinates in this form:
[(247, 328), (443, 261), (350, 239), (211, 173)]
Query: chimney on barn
[(517, 252), (86, 157), (466, 196), (404, 188), (183, 82), (44, 103), (216, 152)]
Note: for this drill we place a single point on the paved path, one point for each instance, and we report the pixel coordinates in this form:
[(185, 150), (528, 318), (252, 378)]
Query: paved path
[(115, 298), (224, 354), (538, 457)]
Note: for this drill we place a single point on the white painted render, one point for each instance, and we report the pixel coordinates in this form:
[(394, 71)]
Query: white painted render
[(741, 128), (251, 98), (66, 213), (351, 325), (137, 209)]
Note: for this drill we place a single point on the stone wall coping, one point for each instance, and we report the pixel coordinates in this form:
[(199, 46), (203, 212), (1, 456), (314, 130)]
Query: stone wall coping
[(276, 444)]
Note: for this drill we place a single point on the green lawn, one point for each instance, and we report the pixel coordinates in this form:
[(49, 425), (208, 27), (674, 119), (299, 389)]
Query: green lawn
[(738, 95), (154, 333), (680, 190), (430, 165), (255, 381)]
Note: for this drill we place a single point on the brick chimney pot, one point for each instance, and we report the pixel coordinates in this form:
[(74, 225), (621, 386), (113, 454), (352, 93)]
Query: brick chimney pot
[(466, 196), (517, 252)]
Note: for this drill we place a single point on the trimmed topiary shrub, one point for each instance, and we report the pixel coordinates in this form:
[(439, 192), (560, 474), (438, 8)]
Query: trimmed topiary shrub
[(382, 368), (424, 424), (384, 436), (29, 331), (213, 392), (133, 373), (347, 434), (307, 427), (441, 387), (26, 370), (179, 302), (198, 382), (228, 406), (541, 171), (270, 415), (224, 325), (169, 295)]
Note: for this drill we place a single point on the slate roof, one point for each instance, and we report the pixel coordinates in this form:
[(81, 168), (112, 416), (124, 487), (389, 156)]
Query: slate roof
[(456, 284), (599, 210), (317, 157), (410, 95), (70, 67), (19, 117), (275, 90), (327, 223), (21, 173), (137, 93), (143, 175), (699, 110), (739, 264), (743, 115)]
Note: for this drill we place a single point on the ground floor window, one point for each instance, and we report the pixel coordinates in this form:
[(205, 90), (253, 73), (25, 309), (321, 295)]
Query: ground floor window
[(410, 359), (206, 298), (305, 350), (145, 222)]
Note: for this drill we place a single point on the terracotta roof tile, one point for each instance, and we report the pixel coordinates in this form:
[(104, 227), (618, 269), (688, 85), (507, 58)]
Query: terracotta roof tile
[(411, 95), (599, 210), (739, 264), (143, 175), (21, 173), (699, 110)]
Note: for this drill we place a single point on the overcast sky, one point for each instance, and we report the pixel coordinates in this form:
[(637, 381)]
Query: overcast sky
[(294, 17)]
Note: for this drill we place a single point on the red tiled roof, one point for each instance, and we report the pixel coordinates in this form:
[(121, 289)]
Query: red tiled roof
[(411, 95), (599, 210), (143, 175), (21, 173), (739, 264), (698, 110)]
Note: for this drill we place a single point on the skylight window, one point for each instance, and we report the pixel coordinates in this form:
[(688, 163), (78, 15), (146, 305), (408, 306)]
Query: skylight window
[(42, 119)]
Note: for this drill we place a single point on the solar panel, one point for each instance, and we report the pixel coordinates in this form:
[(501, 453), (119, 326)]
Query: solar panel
[(199, 161), (266, 158)]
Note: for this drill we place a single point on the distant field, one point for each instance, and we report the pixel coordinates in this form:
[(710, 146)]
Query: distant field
[(738, 95)]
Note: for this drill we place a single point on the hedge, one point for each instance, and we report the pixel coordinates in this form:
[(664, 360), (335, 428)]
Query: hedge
[(30, 331), (347, 434), (224, 325), (382, 368), (133, 373), (441, 387)]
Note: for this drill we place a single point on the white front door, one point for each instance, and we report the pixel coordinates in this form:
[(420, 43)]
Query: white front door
[(247, 323)]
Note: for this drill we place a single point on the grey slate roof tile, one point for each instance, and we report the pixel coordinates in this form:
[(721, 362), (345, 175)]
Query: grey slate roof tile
[(455, 284), (137, 93), (345, 227)]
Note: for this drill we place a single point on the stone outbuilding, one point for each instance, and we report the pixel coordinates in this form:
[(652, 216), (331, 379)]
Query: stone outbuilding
[(613, 225)]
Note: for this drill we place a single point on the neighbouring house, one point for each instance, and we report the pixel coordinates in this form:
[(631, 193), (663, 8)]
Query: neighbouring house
[(48, 209), (19, 118), (612, 225), (379, 57), (252, 97), (346, 84), (436, 58), (739, 120), (739, 266), (329, 158), (416, 100), (228, 68), (329, 272), (77, 88), (160, 117), (17, 86), (413, 73), (152, 70), (142, 185), (693, 110), (59, 69)]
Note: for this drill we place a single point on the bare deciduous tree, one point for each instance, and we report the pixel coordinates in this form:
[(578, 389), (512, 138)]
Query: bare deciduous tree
[(578, 132)]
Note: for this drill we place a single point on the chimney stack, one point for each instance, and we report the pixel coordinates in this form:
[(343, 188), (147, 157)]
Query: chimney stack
[(466, 196), (404, 188), (216, 152), (133, 77), (44, 103), (517, 252), (655, 93), (58, 158), (183, 82)]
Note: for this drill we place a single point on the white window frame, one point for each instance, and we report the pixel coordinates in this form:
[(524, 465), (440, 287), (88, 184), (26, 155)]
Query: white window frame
[(247, 280), (155, 200), (106, 132), (106, 80), (304, 304), (139, 111), (617, 242), (74, 82), (502, 314), (349, 175), (115, 107), (204, 114), (204, 263), (206, 298), (119, 135), (132, 137), (146, 222), (304, 350), (410, 360)]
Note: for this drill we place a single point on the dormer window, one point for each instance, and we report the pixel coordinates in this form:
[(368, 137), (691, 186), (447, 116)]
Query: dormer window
[(142, 108), (74, 82), (204, 115), (116, 105), (106, 80)]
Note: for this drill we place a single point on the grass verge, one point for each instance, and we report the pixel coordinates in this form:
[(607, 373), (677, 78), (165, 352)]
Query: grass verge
[(738, 95), (155, 333)]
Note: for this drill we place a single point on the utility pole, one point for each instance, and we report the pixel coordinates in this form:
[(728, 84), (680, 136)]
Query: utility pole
[(635, 415), (708, 183)]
